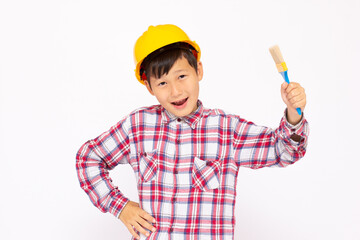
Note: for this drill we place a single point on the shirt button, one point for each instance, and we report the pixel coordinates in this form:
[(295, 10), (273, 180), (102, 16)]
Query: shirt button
[(145, 154), (177, 140), (171, 230), (176, 171), (173, 199), (179, 119)]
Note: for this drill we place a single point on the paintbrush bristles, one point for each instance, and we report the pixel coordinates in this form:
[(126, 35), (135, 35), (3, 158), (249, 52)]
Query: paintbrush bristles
[(278, 58), (276, 54)]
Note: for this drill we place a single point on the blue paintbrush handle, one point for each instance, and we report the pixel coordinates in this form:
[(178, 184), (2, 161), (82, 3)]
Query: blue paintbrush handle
[(286, 78)]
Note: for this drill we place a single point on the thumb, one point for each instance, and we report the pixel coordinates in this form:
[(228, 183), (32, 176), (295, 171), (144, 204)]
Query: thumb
[(283, 92), (284, 85)]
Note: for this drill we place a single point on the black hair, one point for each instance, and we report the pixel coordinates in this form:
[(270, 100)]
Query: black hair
[(161, 61)]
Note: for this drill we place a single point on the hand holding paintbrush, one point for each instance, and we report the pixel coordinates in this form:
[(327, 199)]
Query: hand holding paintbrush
[(292, 93)]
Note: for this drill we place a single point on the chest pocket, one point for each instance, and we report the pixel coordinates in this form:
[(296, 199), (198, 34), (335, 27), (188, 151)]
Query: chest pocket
[(206, 174), (148, 166)]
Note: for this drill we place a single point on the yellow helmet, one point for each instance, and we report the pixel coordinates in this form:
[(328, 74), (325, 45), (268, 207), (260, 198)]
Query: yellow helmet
[(155, 38)]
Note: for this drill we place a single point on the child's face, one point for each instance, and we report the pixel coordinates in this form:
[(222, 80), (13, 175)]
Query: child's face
[(178, 91)]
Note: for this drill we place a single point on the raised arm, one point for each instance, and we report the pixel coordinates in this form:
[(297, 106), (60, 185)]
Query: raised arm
[(257, 146)]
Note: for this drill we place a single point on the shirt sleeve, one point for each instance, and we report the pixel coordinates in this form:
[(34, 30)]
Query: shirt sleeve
[(95, 158), (257, 146)]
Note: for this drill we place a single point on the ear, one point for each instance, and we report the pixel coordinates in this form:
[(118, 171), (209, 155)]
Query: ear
[(146, 82), (200, 70)]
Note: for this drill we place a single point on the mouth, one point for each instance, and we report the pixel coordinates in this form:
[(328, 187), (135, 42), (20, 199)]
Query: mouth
[(181, 103)]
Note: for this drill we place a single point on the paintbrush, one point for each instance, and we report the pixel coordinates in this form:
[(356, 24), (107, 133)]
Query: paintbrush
[(281, 66)]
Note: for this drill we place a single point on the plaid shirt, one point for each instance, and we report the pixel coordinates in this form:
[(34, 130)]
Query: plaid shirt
[(186, 168)]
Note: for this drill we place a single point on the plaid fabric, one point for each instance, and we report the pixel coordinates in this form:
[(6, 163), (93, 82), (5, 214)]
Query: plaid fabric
[(186, 167)]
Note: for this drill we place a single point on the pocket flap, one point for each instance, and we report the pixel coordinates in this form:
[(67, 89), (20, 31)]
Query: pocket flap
[(148, 166), (206, 174)]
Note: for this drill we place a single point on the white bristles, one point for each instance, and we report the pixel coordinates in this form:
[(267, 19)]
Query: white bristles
[(276, 54), (278, 58)]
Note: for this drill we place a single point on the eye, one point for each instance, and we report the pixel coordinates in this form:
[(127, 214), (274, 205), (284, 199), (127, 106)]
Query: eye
[(162, 84), (182, 76)]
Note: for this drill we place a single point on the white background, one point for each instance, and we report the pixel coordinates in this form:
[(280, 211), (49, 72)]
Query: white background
[(66, 75)]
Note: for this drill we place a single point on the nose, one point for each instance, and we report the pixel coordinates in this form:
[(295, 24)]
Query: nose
[(176, 90)]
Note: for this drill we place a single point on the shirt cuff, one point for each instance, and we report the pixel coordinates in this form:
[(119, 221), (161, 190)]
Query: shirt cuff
[(299, 129), (117, 205)]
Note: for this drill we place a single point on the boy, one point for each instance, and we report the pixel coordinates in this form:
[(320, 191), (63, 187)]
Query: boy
[(185, 157)]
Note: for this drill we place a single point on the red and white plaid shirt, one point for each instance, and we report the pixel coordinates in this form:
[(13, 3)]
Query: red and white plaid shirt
[(186, 167)]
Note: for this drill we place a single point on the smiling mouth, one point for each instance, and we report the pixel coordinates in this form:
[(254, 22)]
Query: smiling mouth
[(179, 103)]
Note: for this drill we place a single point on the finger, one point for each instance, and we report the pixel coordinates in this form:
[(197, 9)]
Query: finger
[(298, 105), (296, 99), (301, 104), (297, 93), (147, 217), (132, 231), (138, 227), (294, 93), (291, 86), (147, 225)]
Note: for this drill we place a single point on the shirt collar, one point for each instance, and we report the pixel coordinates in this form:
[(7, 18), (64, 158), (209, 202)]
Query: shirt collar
[(192, 119)]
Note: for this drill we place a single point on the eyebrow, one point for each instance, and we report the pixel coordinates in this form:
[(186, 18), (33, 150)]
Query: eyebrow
[(181, 70)]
